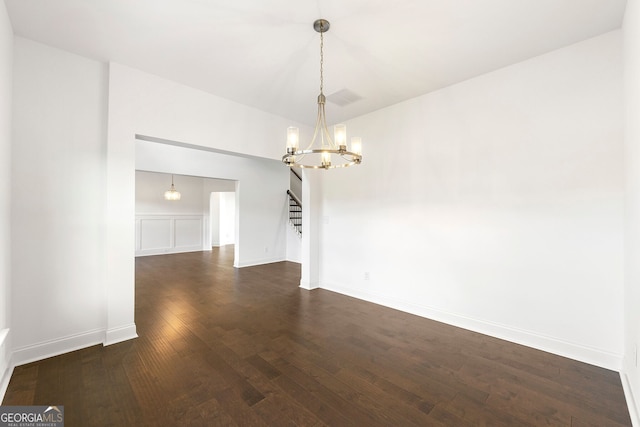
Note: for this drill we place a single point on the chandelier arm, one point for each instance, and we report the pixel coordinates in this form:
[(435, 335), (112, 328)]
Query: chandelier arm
[(349, 157), (352, 159), (319, 119), (325, 130), (300, 157), (321, 151)]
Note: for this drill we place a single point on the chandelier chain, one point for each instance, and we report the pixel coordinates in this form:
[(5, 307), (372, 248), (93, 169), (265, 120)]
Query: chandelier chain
[(321, 61)]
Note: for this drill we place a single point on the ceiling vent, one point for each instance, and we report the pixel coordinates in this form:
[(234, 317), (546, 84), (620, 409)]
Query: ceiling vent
[(343, 97)]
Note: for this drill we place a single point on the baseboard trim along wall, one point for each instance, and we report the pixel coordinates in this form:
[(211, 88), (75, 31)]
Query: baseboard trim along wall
[(309, 286), (631, 403), (46, 349), (574, 351), (5, 363), (123, 333), (4, 381), (260, 261), (56, 347), (163, 251)]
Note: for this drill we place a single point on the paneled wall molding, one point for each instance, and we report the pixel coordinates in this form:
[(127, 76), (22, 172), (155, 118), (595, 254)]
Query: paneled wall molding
[(158, 234)]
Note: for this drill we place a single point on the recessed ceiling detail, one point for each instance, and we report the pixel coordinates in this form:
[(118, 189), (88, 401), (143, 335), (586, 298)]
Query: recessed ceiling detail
[(343, 97)]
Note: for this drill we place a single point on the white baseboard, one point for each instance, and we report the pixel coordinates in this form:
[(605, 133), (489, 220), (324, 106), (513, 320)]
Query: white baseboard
[(4, 350), (4, 382), (168, 251), (309, 285), (631, 403), (260, 261), (123, 333), (46, 349), (6, 369), (549, 344)]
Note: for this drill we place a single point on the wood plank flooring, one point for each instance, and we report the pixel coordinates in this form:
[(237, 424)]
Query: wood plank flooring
[(247, 347)]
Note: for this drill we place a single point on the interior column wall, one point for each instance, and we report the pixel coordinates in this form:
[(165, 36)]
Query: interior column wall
[(227, 218), (58, 179), (6, 72), (631, 375), (143, 104)]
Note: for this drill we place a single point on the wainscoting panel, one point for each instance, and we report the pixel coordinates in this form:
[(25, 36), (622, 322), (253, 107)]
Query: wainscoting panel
[(155, 234), (166, 234), (188, 232)]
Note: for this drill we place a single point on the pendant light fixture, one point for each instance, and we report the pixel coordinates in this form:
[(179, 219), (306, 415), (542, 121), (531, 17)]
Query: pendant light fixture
[(323, 152), (172, 194)]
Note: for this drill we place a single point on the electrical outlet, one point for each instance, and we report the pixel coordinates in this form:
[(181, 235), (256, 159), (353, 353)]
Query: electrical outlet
[(366, 275), (266, 249), (636, 355)]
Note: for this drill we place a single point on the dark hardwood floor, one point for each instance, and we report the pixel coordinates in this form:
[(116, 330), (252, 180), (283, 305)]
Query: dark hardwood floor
[(247, 347)]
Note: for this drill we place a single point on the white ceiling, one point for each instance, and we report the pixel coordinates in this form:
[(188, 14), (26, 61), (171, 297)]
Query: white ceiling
[(265, 53)]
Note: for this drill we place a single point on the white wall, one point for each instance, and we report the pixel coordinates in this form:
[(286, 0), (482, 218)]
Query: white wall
[(631, 375), (212, 195), (227, 215), (214, 220), (58, 178), (223, 218), (164, 226), (294, 246), (150, 188), (6, 69), (495, 204)]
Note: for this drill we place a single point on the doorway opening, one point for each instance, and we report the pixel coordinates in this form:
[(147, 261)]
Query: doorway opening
[(222, 218)]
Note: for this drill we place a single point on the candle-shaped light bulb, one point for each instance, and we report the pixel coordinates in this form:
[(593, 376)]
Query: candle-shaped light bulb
[(292, 139), (356, 145), (326, 159)]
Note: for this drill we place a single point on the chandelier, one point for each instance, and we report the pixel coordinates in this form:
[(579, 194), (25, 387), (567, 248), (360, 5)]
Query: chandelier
[(323, 152), (172, 194)]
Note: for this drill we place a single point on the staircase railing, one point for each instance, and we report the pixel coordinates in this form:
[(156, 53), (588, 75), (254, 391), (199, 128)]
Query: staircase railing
[(295, 212)]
